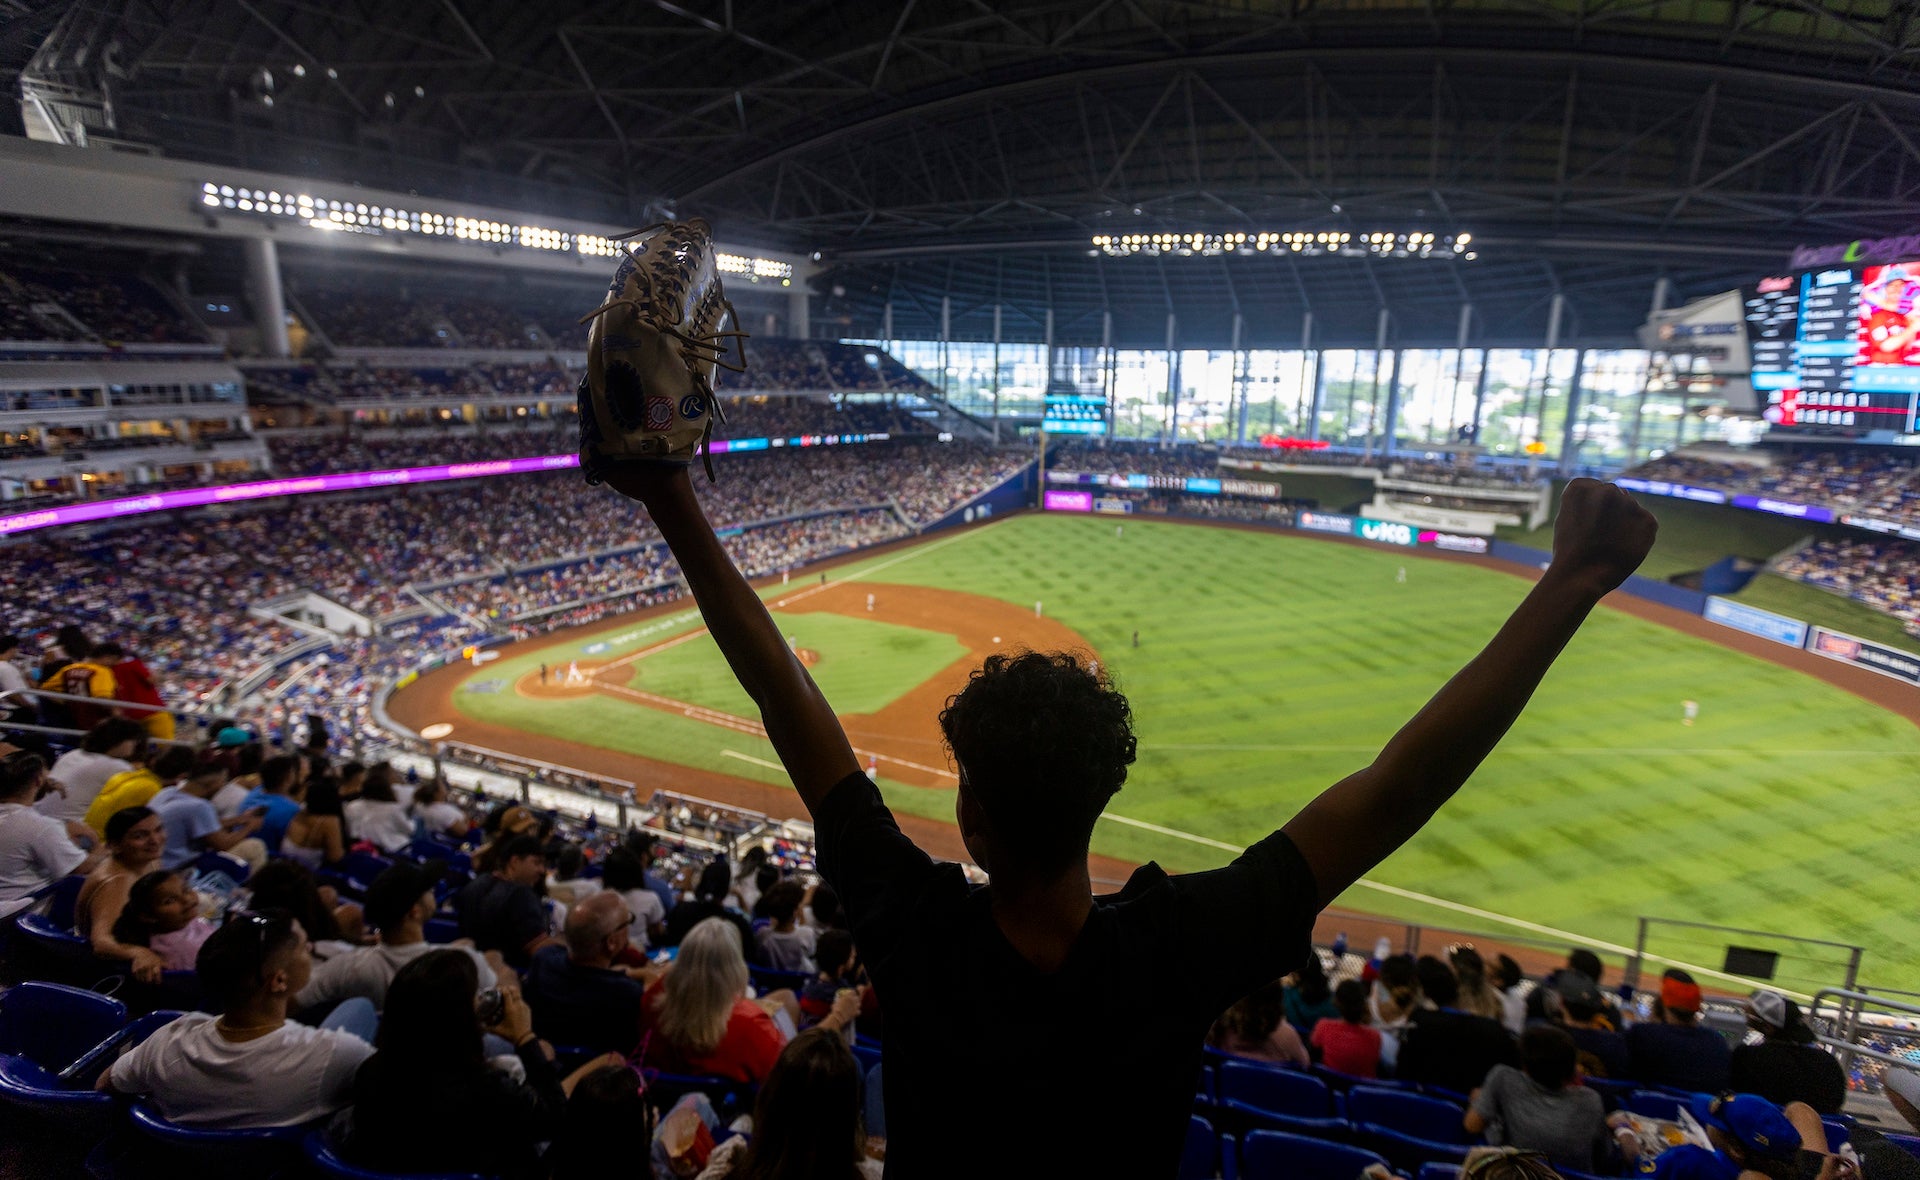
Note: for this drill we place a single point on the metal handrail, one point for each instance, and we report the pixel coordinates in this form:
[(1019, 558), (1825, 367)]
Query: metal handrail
[(1848, 1010)]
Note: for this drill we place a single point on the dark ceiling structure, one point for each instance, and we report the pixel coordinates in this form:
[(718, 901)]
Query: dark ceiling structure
[(948, 156)]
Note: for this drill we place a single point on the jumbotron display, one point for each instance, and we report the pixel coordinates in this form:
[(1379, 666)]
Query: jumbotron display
[(1836, 351)]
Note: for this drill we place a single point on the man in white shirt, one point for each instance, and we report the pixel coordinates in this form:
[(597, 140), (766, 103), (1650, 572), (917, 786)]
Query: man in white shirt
[(79, 774), (250, 1066), (398, 904), (35, 850), (16, 697)]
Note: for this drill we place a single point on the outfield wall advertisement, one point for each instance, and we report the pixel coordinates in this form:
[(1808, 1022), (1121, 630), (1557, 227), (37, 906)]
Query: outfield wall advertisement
[(1755, 621), (1877, 657)]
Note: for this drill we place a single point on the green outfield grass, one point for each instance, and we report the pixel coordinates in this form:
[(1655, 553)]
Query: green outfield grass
[(1271, 665)]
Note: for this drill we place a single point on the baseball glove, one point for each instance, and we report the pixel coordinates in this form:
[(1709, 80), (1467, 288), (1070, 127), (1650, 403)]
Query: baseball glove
[(651, 351)]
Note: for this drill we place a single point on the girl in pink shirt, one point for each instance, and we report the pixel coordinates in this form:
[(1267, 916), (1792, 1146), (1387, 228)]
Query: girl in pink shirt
[(163, 914)]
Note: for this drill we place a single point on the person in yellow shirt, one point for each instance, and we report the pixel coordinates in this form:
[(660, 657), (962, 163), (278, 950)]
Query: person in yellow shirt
[(137, 787), (78, 674)]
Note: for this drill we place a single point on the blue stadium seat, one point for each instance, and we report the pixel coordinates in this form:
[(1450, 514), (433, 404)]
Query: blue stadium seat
[(1437, 1172), (1409, 1129), (1200, 1157), (60, 897), (665, 1089), (441, 931), (1203, 1087), (259, 1151), (1907, 1143), (1613, 1091), (1655, 1105), (1838, 1132), (1409, 1114), (231, 867), (1342, 1082), (40, 949), (321, 1158), (42, 1095), (1281, 1091), (1275, 1155), (134, 1032), (54, 1026)]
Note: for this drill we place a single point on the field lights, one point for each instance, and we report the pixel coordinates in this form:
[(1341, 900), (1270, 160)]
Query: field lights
[(1207, 244), (335, 216)]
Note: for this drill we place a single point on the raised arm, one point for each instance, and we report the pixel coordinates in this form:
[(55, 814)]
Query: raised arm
[(802, 726), (1599, 538)]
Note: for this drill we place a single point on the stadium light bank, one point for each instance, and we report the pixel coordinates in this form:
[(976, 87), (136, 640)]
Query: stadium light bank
[(1309, 243)]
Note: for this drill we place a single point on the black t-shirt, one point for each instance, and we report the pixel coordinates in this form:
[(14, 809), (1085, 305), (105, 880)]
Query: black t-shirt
[(1782, 1072), (584, 1007), (1447, 1047), (993, 1064), (1685, 1057), (500, 916)]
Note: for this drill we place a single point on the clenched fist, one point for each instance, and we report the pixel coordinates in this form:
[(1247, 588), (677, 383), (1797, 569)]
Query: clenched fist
[(1601, 536)]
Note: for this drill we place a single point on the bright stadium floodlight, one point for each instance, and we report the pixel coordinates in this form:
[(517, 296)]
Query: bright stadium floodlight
[(332, 216), (1209, 244)]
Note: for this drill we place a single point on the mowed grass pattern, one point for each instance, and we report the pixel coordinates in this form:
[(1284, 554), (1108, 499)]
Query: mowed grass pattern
[(865, 665), (1273, 664)]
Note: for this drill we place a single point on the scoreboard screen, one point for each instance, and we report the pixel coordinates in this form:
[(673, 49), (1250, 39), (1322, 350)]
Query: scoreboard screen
[(1075, 413), (1836, 351)]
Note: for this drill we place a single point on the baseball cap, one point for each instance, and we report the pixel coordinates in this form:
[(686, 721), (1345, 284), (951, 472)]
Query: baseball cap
[(232, 736), (1576, 987), (1769, 1006), (395, 891), (1752, 1121), (1678, 995)]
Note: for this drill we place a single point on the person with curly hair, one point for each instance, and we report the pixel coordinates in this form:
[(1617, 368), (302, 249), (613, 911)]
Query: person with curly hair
[(1031, 993)]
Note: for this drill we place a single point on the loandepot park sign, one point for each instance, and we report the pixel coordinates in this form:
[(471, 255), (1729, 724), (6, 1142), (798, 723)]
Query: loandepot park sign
[(1862, 250)]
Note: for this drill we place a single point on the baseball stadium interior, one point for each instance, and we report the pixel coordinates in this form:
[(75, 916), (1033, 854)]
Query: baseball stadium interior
[(1249, 351)]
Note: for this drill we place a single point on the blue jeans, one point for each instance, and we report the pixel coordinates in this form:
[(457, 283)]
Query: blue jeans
[(356, 1016)]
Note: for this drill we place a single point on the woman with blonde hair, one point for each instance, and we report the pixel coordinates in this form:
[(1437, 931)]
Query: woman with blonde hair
[(697, 1018), (1476, 994)]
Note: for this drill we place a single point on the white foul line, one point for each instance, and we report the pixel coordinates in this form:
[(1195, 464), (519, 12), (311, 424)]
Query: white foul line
[(1475, 911), (752, 759)]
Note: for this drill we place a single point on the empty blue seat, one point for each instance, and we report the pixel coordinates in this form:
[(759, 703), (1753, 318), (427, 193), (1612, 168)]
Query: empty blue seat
[(1908, 1143), (224, 863), (1200, 1157), (766, 979), (54, 1026), (321, 1157), (1409, 1114), (43, 1095), (1271, 1088), (1837, 1132), (441, 931), (1275, 1155), (1342, 1082), (1204, 1088), (1654, 1105), (1437, 1172), (41, 949)]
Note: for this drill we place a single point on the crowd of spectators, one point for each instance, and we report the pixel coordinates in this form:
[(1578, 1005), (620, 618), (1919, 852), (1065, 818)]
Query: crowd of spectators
[(117, 308), (1114, 457), (1276, 512), (1875, 483), (1465, 476), (1881, 572)]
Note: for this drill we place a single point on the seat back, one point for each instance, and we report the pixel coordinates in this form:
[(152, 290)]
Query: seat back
[(1437, 1172), (254, 1150), (1282, 1091), (1407, 1114), (1200, 1157), (1907, 1143), (766, 979), (60, 897), (43, 1097), (324, 1162), (53, 1026), (40, 949), (441, 931), (1276, 1155)]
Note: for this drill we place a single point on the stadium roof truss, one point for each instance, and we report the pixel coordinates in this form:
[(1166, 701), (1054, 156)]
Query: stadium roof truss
[(971, 148)]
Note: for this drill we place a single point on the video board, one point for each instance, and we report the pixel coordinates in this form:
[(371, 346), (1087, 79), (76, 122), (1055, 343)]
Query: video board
[(1836, 350), (1075, 413)]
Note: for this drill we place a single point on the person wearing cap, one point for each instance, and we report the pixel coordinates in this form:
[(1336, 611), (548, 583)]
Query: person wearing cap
[(35, 850), (399, 902), (1583, 1013), (1903, 1093), (1747, 1133), (499, 909), (1674, 1049), (193, 826), (1787, 1066)]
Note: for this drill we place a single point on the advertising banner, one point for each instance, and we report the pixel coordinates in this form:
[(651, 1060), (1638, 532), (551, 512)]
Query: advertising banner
[(1327, 522), (1755, 621), (1851, 649), (1068, 501)]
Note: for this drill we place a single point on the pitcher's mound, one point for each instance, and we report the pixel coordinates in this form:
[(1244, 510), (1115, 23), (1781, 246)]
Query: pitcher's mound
[(808, 656)]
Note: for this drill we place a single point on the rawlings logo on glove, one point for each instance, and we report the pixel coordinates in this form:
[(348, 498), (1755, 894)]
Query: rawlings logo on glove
[(651, 351)]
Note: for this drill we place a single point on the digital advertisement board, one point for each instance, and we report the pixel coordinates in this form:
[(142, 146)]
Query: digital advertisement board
[(1067, 501)]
